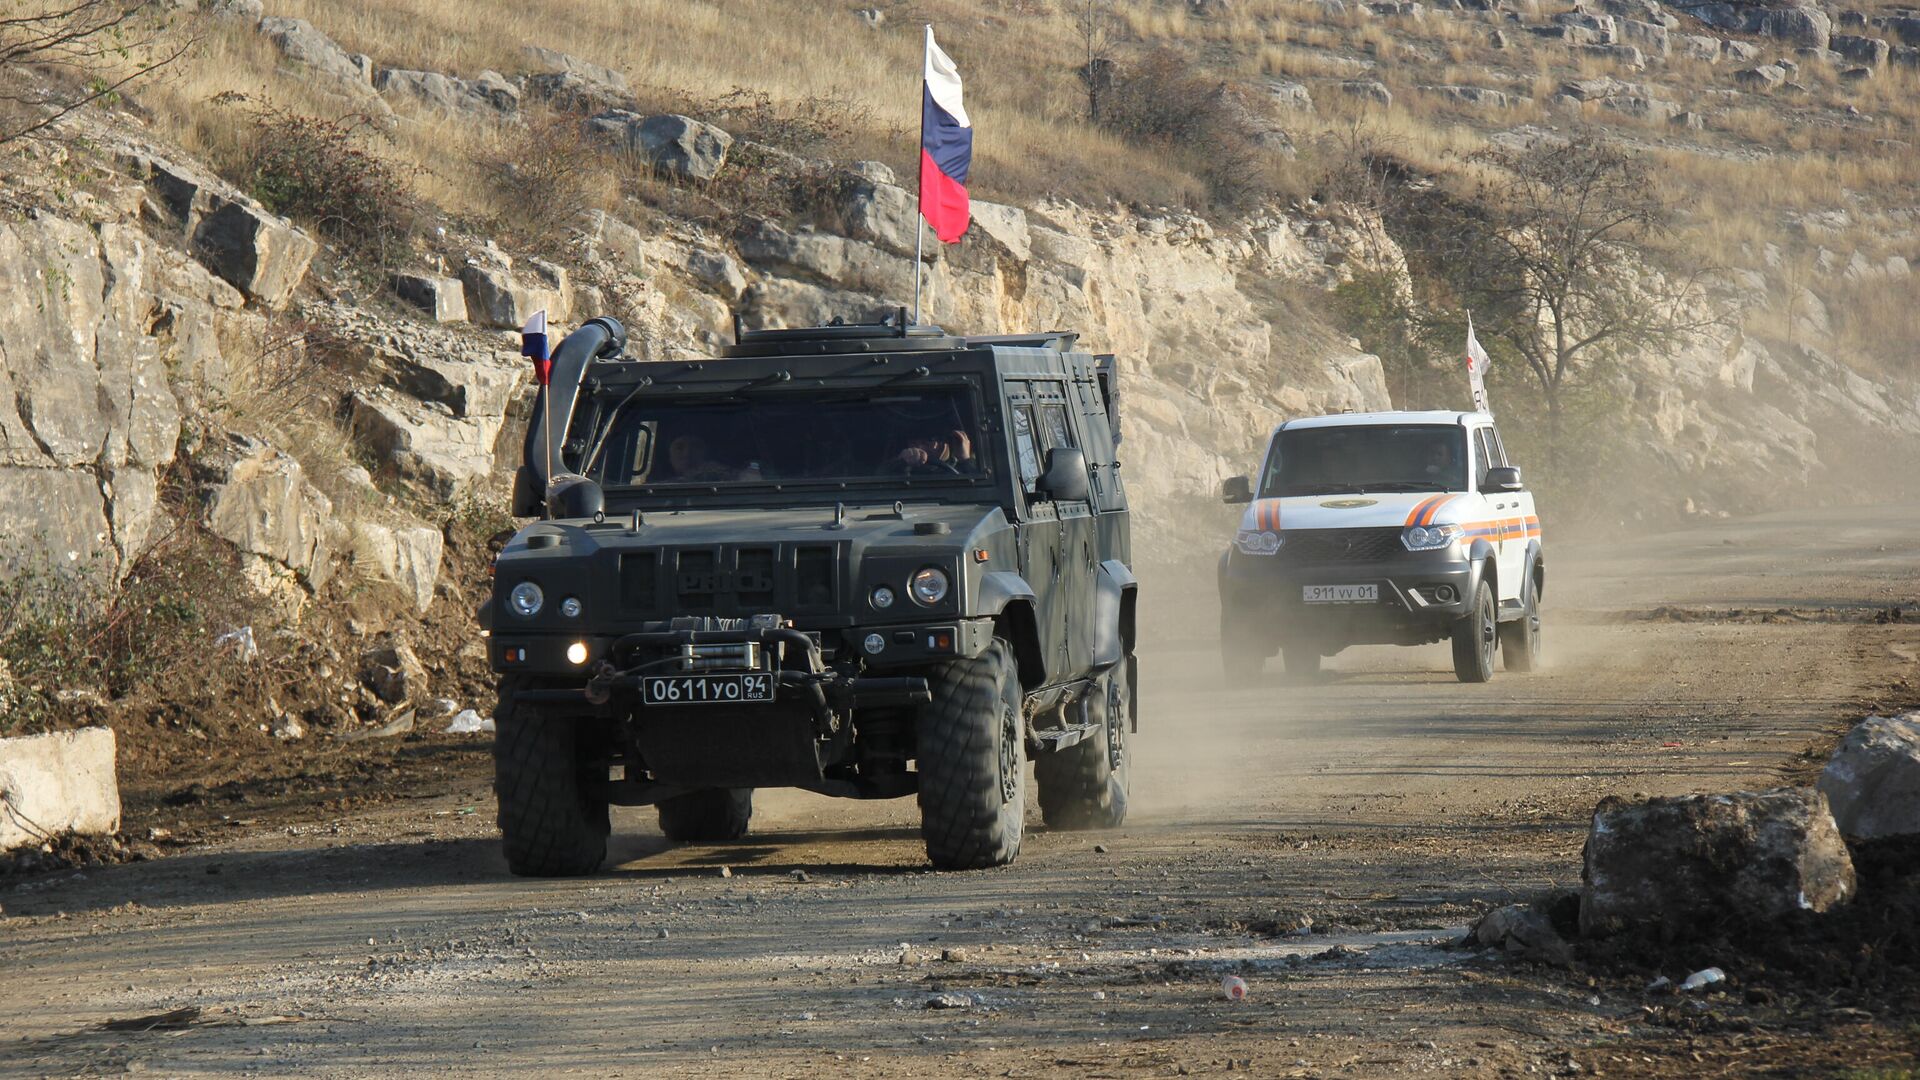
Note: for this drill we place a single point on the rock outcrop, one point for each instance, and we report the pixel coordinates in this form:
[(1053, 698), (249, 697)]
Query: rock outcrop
[(1873, 779), (58, 784)]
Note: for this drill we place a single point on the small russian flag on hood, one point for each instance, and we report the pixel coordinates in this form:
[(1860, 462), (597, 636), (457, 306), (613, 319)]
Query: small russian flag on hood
[(946, 147)]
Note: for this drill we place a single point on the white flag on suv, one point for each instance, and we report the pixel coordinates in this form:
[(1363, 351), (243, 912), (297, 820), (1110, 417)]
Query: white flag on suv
[(1477, 369)]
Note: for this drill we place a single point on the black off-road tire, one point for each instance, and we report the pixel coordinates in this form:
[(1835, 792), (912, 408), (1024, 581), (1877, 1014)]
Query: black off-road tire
[(550, 826), (972, 758), (707, 815), (1520, 639), (1302, 661), (1085, 785), (1474, 636)]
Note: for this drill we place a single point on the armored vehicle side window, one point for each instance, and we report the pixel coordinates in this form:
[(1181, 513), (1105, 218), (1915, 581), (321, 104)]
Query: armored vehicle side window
[(1058, 432), (1025, 448)]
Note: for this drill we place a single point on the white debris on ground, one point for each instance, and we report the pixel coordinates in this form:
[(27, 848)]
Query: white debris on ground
[(468, 722)]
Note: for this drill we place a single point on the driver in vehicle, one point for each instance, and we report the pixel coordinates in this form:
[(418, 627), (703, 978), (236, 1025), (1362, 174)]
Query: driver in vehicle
[(1440, 458), (949, 453), (693, 461)]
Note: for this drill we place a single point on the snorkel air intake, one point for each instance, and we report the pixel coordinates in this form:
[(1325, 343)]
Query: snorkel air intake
[(598, 337)]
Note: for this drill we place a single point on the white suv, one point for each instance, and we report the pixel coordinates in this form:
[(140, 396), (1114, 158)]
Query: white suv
[(1391, 528)]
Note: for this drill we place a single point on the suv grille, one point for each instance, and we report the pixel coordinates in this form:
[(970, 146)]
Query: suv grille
[(1341, 545)]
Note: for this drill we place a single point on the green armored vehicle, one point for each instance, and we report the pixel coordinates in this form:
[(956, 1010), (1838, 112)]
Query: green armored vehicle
[(867, 561)]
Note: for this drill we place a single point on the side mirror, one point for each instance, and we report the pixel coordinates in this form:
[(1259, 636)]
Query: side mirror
[(576, 497), (1236, 489), (1502, 479), (1065, 477)]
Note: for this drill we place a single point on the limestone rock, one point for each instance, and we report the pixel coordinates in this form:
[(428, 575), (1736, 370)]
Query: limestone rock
[(491, 94), (1799, 25), (1007, 225), (500, 298), (425, 442), (1763, 77), (1651, 38), (1678, 863), (1870, 51), (1739, 51), (393, 672), (53, 785), (609, 238), (1873, 779), (404, 555), (679, 145), (718, 271), (442, 298), (1369, 90), (300, 41), (264, 505), (264, 256), (1472, 95), (1289, 94), (1697, 47), (550, 61), (882, 214), (467, 387), (1522, 931)]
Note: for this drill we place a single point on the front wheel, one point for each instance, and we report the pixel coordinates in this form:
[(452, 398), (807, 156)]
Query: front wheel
[(707, 815), (1085, 785), (1520, 639), (1473, 638), (551, 824), (972, 761)]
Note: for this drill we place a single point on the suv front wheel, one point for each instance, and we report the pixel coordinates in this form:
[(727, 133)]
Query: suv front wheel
[(972, 761), (1474, 637)]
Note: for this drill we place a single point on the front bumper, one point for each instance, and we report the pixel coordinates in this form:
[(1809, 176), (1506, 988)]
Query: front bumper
[(1420, 595)]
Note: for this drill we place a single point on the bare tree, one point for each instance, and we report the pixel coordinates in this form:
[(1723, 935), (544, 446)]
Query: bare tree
[(1554, 253), (1095, 26), (88, 51)]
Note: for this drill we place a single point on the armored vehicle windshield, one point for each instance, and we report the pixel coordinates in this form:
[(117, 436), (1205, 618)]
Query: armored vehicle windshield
[(785, 436)]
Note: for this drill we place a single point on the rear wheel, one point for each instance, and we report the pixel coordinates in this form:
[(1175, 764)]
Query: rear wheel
[(1520, 639), (1474, 635), (550, 823), (707, 815), (1085, 785), (972, 762)]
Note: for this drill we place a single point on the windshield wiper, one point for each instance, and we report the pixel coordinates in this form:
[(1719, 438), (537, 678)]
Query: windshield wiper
[(1401, 485)]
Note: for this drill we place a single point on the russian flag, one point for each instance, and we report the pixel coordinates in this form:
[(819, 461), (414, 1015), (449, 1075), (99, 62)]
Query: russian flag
[(946, 147)]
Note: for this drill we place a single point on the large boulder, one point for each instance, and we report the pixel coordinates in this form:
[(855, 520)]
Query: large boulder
[(1676, 864), (496, 296), (880, 213), (668, 143), (552, 61), (489, 95), (424, 441), (1797, 25), (1871, 51), (264, 256), (442, 299), (467, 387), (265, 506), (1873, 779), (301, 42), (53, 785), (404, 555)]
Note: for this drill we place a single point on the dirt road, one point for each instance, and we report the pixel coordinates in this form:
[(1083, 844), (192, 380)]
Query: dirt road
[(1328, 841)]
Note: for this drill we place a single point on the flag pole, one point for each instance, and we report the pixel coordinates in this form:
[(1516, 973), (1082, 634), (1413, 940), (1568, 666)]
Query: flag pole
[(919, 224)]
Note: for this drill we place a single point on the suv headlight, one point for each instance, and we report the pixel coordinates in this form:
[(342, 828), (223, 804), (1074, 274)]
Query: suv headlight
[(929, 586), (1431, 537), (1258, 542), (525, 599)]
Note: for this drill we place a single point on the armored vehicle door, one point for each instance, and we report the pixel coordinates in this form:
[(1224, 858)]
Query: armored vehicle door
[(1040, 523), (1076, 567)]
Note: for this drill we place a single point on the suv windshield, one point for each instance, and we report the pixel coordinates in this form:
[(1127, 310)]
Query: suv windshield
[(1366, 458), (782, 437)]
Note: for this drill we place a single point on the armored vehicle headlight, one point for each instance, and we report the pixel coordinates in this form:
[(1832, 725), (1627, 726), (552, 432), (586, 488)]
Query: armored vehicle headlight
[(882, 597), (570, 607), (1257, 542), (1430, 538), (930, 586), (525, 599)]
